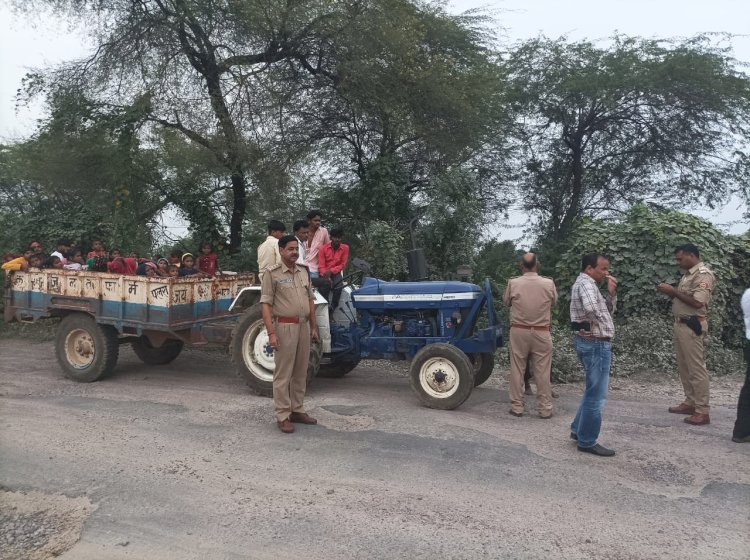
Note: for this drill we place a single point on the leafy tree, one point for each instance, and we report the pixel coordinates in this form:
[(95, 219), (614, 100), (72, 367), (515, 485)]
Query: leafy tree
[(253, 83), (416, 83), (383, 248), (601, 128), (497, 260), (198, 67), (84, 174), (451, 223)]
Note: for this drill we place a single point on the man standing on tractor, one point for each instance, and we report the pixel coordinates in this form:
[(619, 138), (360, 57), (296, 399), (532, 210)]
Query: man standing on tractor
[(317, 237), (288, 308), (530, 298), (268, 251)]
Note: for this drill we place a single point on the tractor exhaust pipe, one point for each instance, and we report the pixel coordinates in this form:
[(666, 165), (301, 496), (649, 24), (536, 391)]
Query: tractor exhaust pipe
[(416, 262)]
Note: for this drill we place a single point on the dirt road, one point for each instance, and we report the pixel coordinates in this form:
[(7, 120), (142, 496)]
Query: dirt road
[(180, 461)]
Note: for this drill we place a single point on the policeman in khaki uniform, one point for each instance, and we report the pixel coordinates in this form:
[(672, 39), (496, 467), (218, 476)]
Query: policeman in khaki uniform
[(289, 316), (690, 307), (530, 298)]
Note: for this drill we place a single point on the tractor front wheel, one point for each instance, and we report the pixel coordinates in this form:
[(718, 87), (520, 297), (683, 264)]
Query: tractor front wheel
[(442, 376)]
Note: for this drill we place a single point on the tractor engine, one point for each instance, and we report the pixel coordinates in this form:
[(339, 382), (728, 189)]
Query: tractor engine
[(396, 318), (414, 324)]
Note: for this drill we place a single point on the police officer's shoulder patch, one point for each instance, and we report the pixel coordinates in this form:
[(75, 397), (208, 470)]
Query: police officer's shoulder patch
[(703, 284)]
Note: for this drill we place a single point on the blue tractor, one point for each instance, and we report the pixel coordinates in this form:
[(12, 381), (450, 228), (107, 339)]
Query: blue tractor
[(448, 330)]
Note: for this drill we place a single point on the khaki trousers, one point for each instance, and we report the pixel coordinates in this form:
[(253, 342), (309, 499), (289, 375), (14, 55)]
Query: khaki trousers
[(536, 345), (692, 366), (290, 375)]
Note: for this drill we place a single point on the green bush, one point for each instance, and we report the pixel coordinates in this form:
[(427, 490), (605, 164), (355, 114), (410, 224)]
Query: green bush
[(565, 364)]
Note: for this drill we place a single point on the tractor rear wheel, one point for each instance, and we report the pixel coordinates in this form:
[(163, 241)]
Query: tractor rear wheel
[(253, 357), (442, 376), (156, 355), (85, 349), (484, 363)]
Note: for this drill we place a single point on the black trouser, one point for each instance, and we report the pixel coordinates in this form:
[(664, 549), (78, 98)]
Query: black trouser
[(336, 284), (742, 425)]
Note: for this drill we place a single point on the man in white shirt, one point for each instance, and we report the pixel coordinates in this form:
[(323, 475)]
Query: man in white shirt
[(268, 251), (741, 432), (301, 229)]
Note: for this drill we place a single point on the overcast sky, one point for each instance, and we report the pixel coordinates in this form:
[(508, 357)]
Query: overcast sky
[(25, 45)]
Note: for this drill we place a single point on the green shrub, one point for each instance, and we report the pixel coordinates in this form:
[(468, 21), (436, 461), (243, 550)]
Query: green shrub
[(565, 365), (643, 345)]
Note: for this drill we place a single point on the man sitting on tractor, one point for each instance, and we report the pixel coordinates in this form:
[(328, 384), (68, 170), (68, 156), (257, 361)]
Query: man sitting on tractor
[(332, 260)]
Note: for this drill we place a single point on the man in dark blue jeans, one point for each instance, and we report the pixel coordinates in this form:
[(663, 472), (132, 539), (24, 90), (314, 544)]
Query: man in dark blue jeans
[(591, 316), (741, 433)]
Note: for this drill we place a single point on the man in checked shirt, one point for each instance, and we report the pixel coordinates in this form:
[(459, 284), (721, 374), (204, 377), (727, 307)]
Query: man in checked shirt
[(593, 341)]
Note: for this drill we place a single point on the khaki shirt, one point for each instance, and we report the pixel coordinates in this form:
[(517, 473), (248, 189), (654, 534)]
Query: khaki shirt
[(531, 298), (287, 290), (697, 282), (268, 254)]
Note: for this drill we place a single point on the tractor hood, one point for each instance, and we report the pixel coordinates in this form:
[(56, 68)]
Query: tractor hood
[(376, 293)]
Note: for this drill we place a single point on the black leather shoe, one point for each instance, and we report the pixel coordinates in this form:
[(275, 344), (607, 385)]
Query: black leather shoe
[(514, 413), (737, 439), (597, 449), (573, 436)]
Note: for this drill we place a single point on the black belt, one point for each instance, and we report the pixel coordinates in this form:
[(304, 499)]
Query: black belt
[(595, 338)]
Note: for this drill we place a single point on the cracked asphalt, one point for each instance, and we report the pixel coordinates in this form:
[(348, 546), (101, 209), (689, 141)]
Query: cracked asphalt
[(181, 461)]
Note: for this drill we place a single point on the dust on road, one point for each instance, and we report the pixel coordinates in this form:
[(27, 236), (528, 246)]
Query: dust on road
[(180, 461)]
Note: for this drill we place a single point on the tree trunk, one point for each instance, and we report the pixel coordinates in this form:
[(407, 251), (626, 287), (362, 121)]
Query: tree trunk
[(239, 206), (202, 56), (576, 187)]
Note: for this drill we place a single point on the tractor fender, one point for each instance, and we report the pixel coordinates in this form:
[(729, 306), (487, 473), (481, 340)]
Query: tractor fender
[(246, 297), (249, 296)]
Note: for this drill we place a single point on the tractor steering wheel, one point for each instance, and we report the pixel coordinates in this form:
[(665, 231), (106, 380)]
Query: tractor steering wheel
[(353, 278)]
